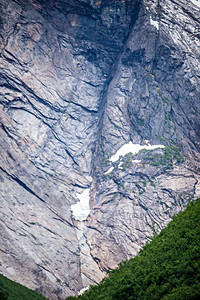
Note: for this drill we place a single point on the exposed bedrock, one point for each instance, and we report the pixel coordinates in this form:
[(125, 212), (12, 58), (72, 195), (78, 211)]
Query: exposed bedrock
[(78, 80)]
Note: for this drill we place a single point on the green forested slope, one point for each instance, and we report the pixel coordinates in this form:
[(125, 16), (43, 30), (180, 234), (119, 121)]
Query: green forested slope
[(10, 290), (168, 268)]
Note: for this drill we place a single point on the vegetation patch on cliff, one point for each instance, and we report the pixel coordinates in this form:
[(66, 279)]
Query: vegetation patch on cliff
[(10, 290), (170, 154)]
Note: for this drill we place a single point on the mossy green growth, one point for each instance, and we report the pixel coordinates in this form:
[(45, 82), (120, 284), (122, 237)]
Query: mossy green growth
[(166, 100), (126, 161), (162, 138), (170, 154), (168, 268), (11, 290), (140, 122), (105, 161)]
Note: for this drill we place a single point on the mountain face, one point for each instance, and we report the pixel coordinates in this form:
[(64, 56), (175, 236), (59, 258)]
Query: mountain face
[(84, 86)]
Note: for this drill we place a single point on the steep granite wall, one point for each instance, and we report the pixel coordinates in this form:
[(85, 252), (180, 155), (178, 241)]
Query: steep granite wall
[(78, 80)]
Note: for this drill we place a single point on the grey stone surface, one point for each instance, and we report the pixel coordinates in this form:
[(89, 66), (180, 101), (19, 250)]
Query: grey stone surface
[(78, 79)]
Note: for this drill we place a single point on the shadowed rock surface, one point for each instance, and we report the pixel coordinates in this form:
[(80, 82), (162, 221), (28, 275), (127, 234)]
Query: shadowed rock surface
[(79, 79)]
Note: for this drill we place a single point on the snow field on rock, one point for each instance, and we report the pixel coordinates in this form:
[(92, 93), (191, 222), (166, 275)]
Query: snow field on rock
[(132, 148), (81, 209)]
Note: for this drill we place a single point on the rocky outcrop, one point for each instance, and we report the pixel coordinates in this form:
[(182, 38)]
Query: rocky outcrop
[(79, 79)]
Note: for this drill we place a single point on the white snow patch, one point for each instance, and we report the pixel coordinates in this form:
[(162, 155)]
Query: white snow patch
[(120, 165), (109, 171), (81, 209), (196, 2), (133, 148), (154, 23), (137, 161), (83, 290)]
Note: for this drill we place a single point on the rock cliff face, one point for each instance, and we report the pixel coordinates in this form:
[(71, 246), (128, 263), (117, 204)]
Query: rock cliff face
[(78, 80)]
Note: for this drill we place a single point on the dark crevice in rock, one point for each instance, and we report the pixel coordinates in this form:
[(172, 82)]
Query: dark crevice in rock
[(7, 131), (112, 72), (84, 107), (22, 184), (14, 59), (60, 217), (94, 228), (68, 153)]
